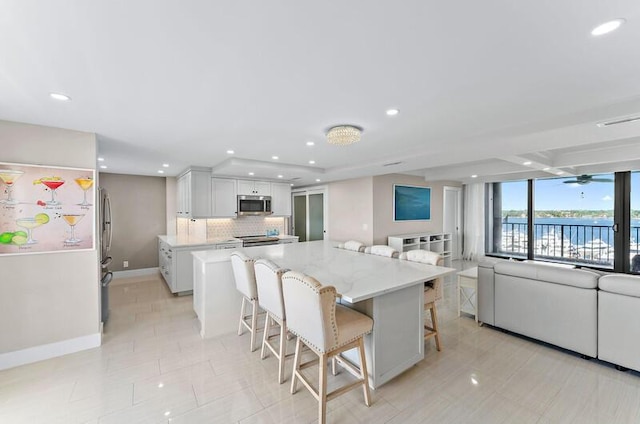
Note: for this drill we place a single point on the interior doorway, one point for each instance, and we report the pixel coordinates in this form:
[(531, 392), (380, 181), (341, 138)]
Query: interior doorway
[(452, 219), (309, 214)]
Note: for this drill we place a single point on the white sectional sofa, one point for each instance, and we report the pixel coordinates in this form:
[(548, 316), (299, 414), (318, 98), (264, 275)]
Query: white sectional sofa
[(553, 304), (618, 328), (579, 310)]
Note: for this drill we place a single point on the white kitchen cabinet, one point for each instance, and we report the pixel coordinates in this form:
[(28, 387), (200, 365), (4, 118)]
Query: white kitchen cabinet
[(194, 194), (223, 198), (281, 199), (176, 262), (254, 188)]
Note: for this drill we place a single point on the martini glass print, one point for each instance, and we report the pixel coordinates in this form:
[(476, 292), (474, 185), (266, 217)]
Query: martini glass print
[(72, 220), (52, 184), (30, 223), (9, 177), (85, 184)]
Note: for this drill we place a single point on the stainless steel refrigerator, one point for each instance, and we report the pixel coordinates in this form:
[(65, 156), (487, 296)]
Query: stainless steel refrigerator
[(106, 232)]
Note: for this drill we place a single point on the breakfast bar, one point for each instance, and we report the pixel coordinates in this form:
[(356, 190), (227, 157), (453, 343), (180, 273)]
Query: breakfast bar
[(388, 290)]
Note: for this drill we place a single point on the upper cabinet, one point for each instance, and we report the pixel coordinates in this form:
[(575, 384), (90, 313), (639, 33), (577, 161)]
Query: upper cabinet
[(223, 198), (194, 194), (281, 199), (254, 188)]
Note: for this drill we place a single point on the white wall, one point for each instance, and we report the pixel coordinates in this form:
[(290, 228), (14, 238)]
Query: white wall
[(49, 302), (383, 223), (351, 210)]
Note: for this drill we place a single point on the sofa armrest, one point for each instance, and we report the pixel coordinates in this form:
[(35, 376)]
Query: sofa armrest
[(628, 285)]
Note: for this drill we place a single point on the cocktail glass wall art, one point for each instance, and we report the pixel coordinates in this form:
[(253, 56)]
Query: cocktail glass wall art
[(46, 209)]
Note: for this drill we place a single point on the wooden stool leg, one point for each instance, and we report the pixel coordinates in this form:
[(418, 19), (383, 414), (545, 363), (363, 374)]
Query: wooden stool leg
[(434, 320), (296, 367), (254, 324), (265, 337), (363, 373), (322, 390), (283, 351), (240, 326)]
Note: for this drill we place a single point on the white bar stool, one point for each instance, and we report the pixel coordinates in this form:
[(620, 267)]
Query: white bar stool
[(328, 330), (245, 277), (269, 283), (432, 290)]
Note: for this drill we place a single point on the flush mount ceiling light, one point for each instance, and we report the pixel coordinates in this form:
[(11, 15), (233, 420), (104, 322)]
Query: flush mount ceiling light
[(60, 96), (343, 135), (607, 27)]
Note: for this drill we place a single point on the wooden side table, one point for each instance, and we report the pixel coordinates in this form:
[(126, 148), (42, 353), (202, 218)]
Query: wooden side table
[(467, 292)]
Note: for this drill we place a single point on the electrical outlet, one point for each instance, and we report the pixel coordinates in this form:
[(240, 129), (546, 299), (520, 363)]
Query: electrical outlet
[(125, 264)]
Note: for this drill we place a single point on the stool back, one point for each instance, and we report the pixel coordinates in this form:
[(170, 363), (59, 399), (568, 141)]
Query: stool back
[(269, 283), (244, 275), (310, 310)]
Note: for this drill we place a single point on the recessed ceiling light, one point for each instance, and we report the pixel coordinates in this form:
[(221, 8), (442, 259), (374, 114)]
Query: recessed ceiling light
[(60, 96), (474, 176), (279, 176), (160, 171), (560, 172), (311, 162), (527, 162), (392, 112), (607, 27), (317, 180), (546, 169), (251, 173), (100, 159), (165, 165), (310, 143), (275, 157), (230, 152), (160, 385), (291, 184), (103, 166)]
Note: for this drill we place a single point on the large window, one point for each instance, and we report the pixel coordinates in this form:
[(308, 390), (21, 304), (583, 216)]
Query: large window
[(510, 218), (573, 220), (634, 224)]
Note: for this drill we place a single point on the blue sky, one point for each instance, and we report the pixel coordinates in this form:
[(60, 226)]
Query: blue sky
[(553, 194)]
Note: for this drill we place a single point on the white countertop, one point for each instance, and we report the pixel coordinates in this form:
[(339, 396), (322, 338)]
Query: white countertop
[(356, 276), (175, 241)]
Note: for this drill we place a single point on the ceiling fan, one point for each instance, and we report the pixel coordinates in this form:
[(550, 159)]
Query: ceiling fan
[(586, 179)]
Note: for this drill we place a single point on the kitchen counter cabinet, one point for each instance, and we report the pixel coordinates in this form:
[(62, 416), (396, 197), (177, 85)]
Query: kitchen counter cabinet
[(176, 262)]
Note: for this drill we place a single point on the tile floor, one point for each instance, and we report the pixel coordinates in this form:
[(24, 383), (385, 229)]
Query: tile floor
[(153, 367)]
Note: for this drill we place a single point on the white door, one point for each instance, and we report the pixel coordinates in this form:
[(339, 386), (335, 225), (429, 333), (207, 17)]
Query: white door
[(452, 219)]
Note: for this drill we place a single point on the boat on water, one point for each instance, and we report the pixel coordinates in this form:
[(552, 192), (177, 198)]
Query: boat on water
[(552, 244), (597, 250)]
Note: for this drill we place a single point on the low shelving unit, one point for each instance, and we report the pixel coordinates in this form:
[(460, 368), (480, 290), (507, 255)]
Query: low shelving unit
[(435, 242)]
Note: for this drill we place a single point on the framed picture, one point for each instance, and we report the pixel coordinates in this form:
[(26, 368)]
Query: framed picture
[(46, 209), (411, 203)]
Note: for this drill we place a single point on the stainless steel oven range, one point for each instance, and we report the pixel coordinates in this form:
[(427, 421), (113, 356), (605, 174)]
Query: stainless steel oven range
[(248, 241)]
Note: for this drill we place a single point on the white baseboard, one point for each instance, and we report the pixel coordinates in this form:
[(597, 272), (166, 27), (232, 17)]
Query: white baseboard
[(135, 272), (48, 351)]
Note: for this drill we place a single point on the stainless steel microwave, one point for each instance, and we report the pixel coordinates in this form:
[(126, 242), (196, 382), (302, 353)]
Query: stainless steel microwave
[(254, 205)]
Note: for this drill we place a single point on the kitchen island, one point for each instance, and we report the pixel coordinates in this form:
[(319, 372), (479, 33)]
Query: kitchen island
[(388, 290)]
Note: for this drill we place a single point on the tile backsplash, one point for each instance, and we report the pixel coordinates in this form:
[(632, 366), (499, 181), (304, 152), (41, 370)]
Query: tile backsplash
[(228, 227)]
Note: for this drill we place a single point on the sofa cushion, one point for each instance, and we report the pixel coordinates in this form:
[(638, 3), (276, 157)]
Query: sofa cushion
[(628, 285), (568, 277)]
